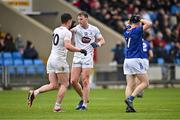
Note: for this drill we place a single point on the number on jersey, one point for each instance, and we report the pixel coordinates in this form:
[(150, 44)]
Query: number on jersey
[(55, 39)]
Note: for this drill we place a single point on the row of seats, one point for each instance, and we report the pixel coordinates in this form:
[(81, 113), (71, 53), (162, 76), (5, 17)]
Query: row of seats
[(161, 61), (9, 55), (15, 64)]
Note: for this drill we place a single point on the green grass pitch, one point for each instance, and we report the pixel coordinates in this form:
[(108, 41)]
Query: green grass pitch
[(105, 104)]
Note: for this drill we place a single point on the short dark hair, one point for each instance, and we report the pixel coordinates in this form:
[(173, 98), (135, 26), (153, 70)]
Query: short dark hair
[(82, 13), (65, 17), (135, 19)]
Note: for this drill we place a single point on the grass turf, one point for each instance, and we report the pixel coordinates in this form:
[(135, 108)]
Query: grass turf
[(105, 104)]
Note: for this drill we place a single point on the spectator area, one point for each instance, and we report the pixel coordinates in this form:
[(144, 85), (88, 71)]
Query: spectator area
[(164, 14)]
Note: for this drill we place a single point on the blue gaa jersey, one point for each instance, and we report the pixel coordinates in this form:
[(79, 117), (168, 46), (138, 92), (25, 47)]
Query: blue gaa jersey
[(134, 43), (146, 48)]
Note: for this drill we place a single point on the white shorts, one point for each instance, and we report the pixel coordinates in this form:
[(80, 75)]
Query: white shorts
[(83, 62), (135, 66), (57, 66)]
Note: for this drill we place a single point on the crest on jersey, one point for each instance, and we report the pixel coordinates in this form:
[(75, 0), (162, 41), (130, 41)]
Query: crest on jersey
[(86, 39)]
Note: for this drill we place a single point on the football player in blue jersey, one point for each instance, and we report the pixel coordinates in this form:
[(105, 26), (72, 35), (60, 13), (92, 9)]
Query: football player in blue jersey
[(134, 63)]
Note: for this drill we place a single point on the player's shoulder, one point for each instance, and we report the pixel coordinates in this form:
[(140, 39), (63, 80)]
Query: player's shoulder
[(60, 29), (139, 28), (92, 26)]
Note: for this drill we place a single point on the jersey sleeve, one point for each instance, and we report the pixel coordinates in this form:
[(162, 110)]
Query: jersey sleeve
[(74, 29), (97, 33), (68, 35)]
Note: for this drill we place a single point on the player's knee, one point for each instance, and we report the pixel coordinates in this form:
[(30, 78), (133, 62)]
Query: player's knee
[(54, 86), (85, 77), (73, 82), (146, 84), (85, 83), (65, 84)]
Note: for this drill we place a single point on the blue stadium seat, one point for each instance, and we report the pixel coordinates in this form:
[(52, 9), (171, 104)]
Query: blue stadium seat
[(28, 62), (9, 64), (7, 55), (20, 69), (0, 55), (40, 67), (1, 62), (38, 62), (160, 61), (177, 61), (16, 55), (30, 68)]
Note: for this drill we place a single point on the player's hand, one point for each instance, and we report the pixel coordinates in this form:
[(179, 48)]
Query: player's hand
[(95, 45), (83, 51)]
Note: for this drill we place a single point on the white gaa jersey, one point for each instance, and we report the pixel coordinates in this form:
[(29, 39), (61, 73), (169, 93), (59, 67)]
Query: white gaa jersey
[(57, 59), (84, 37), (59, 35)]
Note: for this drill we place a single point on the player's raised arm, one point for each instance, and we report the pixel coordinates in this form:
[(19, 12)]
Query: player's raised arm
[(147, 24)]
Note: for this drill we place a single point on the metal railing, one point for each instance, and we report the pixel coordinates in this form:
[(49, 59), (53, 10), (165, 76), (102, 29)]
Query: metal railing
[(10, 78), (164, 74), (102, 75)]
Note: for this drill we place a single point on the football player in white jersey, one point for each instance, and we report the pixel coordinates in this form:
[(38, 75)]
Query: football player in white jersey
[(85, 36), (57, 66)]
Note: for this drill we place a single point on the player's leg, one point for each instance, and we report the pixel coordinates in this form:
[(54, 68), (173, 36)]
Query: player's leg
[(130, 79), (144, 83), (52, 85), (64, 80), (75, 76), (139, 95), (85, 81), (131, 83)]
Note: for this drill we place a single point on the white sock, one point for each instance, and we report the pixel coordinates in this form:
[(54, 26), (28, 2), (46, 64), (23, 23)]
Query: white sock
[(84, 104), (57, 105), (36, 92)]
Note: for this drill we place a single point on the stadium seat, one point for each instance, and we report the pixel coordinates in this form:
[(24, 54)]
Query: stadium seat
[(20, 69), (1, 62), (9, 64), (30, 68), (0, 55), (40, 67), (177, 61), (38, 62), (28, 62), (16, 55), (7, 55), (160, 61)]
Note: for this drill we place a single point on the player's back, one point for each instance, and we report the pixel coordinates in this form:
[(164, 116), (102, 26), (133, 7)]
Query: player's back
[(134, 47), (59, 34)]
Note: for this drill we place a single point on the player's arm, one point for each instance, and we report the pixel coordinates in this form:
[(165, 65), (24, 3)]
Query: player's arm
[(147, 24), (100, 40), (70, 47), (73, 34), (150, 52), (99, 43)]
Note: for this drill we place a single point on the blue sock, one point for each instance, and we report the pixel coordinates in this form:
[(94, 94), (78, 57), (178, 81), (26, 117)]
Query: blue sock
[(131, 98)]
